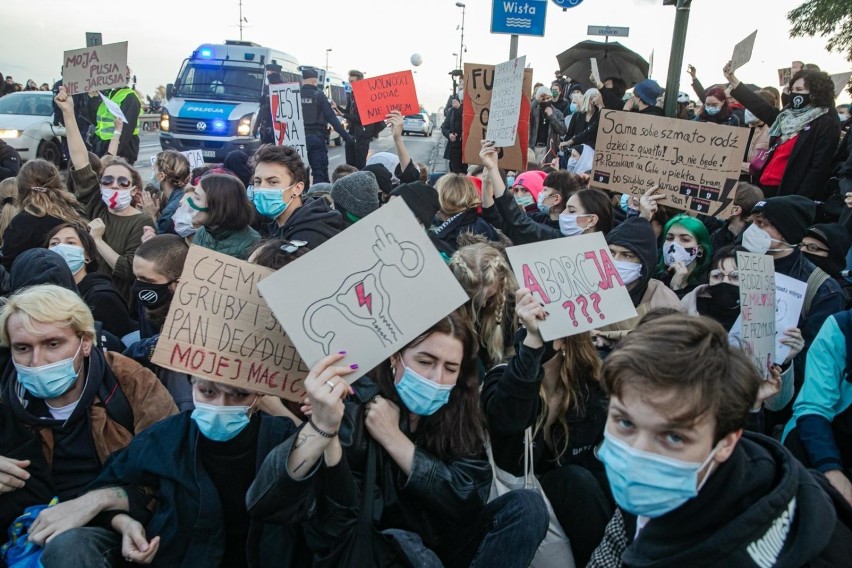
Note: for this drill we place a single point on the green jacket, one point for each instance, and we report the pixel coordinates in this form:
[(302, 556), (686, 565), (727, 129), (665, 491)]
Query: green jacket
[(232, 243)]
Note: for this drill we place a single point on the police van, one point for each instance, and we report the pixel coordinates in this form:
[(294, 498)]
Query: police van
[(213, 104)]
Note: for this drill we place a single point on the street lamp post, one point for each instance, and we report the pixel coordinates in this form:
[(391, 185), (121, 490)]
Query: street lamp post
[(461, 43), (327, 51)]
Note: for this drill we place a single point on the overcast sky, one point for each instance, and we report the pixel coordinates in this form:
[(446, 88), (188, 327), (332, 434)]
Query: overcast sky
[(379, 36)]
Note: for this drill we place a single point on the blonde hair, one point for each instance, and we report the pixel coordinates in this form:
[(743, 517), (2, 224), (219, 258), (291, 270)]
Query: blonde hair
[(581, 365), (8, 207), (586, 105), (480, 269), (40, 193), (456, 193), (47, 304)]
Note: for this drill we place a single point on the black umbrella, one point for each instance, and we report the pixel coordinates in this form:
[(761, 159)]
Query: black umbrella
[(614, 60)]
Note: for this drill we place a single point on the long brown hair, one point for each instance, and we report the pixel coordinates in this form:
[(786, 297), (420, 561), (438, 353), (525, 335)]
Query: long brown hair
[(581, 366), (458, 428), (479, 268), (8, 198), (41, 194)]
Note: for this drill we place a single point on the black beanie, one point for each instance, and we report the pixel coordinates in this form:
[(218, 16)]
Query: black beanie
[(238, 162), (421, 199), (836, 239), (790, 214), (383, 177)]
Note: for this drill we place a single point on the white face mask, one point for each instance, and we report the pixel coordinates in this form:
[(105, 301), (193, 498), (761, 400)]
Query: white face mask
[(568, 225), (628, 271), (183, 218), (116, 199), (750, 118), (758, 241), (675, 252)]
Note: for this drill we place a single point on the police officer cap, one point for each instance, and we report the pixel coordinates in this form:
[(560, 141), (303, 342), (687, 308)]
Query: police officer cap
[(309, 73)]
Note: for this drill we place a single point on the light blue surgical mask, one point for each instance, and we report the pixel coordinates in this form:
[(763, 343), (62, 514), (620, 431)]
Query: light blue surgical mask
[(712, 111), (420, 395), (625, 202), (524, 200), (648, 484), (510, 181), (568, 225), (220, 423), (572, 107), (544, 208), (51, 380), (73, 256), (154, 181), (269, 202)]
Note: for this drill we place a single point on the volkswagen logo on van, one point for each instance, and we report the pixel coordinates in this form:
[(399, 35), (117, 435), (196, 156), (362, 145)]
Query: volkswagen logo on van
[(201, 126)]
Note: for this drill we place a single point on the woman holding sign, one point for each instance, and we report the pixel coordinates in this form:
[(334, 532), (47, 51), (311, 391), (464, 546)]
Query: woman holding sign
[(803, 136), (413, 434)]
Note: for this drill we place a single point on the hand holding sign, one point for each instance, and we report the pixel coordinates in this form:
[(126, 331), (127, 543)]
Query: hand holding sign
[(529, 311)]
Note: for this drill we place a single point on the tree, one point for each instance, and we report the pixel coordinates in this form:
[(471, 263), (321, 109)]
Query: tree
[(825, 18), (160, 92)]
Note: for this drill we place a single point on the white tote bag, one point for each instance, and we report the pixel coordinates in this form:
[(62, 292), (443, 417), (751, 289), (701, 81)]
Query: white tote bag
[(555, 550)]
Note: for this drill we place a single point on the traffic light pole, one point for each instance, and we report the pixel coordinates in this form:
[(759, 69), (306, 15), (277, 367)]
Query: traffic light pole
[(676, 58), (513, 46)]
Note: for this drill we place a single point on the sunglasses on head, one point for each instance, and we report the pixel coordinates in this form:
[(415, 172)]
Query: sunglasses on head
[(123, 182)]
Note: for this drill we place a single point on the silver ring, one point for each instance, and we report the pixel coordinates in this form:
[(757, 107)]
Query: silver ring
[(330, 385)]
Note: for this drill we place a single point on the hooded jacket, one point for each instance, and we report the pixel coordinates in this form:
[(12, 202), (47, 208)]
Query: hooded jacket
[(760, 508), (10, 161), (107, 305), (314, 222), (445, 236), (40, 266)]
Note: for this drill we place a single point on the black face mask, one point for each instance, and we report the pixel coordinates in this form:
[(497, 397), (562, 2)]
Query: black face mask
[(725, 296), (826, 263), (544, 104), (800, 100), (152, 296)]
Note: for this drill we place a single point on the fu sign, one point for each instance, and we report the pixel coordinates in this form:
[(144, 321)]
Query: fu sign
[(288, 122), (576, 280)]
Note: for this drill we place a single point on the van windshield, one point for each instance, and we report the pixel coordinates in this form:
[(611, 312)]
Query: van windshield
[(215, 80)]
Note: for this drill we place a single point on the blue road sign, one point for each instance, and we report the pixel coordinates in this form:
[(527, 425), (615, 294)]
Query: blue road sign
[(521, 17), (567, 3)]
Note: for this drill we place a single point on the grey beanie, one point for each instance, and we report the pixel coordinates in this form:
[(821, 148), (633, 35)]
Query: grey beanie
[(357, 193)]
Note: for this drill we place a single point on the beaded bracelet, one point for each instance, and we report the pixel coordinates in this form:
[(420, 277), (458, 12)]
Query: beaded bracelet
[(322, 433)]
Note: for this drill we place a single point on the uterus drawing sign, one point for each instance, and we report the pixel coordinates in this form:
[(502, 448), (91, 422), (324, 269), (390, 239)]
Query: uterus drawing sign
[(363, 298)]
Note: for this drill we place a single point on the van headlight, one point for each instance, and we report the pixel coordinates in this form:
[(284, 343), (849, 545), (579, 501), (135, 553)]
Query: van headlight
[(10, 133), (164, 121), (244, 127)]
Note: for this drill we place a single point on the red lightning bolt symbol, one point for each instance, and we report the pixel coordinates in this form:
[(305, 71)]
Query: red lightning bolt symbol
[(112, 200), (364, 299)]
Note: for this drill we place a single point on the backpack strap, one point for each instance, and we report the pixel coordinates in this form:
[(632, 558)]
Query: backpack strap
[(817, 278)]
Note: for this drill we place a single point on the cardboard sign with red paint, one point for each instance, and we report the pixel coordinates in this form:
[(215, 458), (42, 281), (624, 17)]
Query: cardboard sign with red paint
[(476, 109), (95, 68), (288, 122), (376, 97), (576, 280), (219, 328)]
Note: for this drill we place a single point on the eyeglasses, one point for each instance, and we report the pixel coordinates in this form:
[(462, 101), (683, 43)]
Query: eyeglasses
[(192, 204), (717, 277), (123, 182), (814, 249), (292, 246)]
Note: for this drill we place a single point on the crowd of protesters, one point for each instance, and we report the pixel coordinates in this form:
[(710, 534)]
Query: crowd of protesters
[(654, 441)]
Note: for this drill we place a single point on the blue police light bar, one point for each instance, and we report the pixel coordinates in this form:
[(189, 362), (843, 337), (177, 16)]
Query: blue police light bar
[(206, 53), (219, 125)]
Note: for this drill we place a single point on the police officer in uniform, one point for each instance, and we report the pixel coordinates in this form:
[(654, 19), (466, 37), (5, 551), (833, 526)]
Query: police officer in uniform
[(356, 153), (131, 106), (317, 113), (263, 128)]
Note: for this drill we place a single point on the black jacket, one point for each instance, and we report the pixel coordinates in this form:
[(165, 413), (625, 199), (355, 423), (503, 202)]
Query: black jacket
[(188, 517), (314, 222), (445, 236), (436, 500), (809, 166), (317, 112), (760, 508), (519, 226), (512, 403), (10, 161), (583, 131), (452, 125), (107, 305)]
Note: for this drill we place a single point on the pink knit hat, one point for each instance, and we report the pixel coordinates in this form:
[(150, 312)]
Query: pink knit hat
[(532, 181)]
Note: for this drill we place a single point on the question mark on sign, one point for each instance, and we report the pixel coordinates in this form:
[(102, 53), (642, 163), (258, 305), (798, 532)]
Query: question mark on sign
[(596, 302), (569, 305), (583, 302)]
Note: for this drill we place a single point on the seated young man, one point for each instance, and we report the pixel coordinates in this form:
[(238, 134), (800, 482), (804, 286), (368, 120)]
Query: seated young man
[(157, 266), (691, 488), (79, 403), (200, 466)]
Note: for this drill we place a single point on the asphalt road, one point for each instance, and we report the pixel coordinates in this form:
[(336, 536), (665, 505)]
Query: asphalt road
[(422, 149)]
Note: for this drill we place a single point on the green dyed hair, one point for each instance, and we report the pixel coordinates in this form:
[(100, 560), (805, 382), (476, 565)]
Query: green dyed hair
[(697, 229)]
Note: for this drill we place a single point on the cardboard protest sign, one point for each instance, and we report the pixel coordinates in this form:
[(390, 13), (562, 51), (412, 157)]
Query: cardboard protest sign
[(368, 291), (506, 102), (288, 122), (377, 96), (757, 308), (840, 80), (742, 51), (95, 68), (576, 280), (789, 299), (784, 76), (695, 164), (220, 328), (195, 157), (596, 72), (478, 92)]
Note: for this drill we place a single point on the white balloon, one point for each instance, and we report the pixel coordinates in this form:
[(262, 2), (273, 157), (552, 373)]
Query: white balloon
[(416, 59)]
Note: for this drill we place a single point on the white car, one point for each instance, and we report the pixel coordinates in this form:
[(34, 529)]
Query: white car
[(26, 124), (417, 123)]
